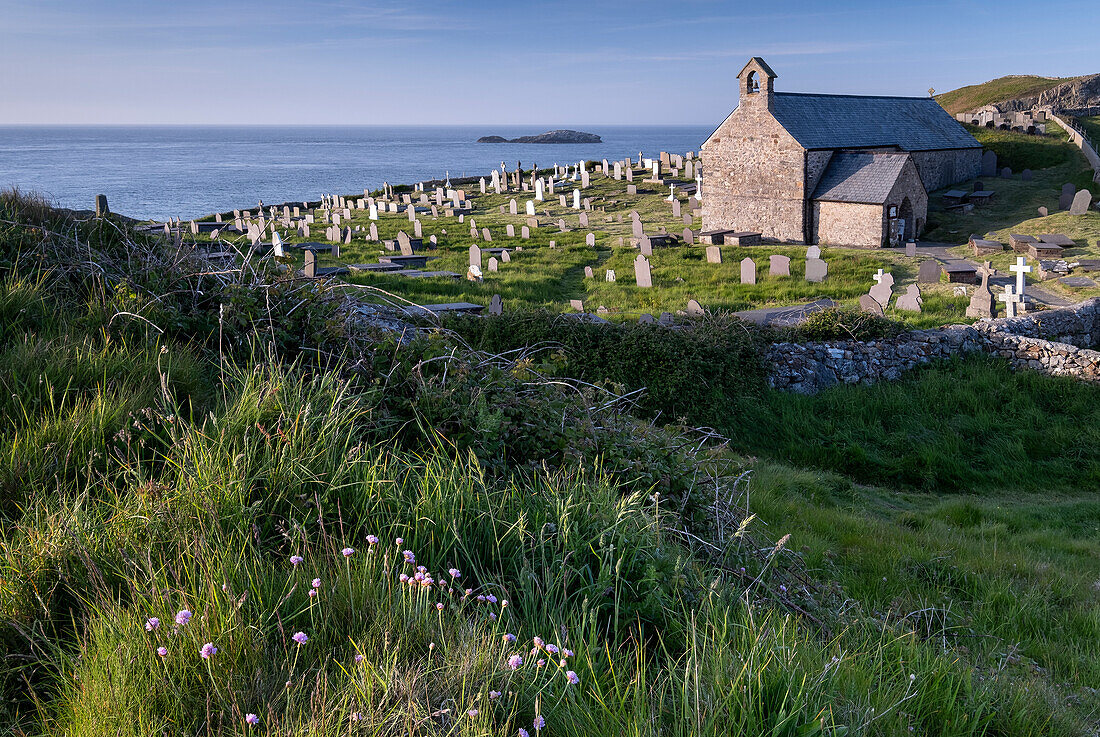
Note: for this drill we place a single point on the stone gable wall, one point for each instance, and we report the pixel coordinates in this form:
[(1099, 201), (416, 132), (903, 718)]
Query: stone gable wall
[(1054, 342), (753, 176), (848, 224)]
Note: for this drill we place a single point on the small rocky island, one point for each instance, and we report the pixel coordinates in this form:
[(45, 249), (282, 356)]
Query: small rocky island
[(558, 136)]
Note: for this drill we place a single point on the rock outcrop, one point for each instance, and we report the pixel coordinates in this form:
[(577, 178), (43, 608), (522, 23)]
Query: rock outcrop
[(558, 136)]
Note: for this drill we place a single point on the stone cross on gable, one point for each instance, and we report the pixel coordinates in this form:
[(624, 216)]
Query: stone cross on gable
[(1020, 268), (1011, 299)]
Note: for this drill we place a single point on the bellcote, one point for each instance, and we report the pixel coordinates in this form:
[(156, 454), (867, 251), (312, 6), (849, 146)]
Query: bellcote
[(757, 83)]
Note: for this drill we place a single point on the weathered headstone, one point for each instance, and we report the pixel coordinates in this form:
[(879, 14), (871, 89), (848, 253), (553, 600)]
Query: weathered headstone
[(883, 288), (981, 302), (748, 271), (1026, 175), (588, 274), (609, 275), (496, 306), (911, 301), (577, 305), (525, 232), (816, 270), (510, 230), (813, 252), (911, 249), (475, 256), (1006, 172), (714, 255), (1066, 198), (505, 257), (929, 272), (694, 309), (641, 272), (590, 239), (493, 264), (779, 265), (870, 305), (1043, 212), (989, 164), (1081, 202)]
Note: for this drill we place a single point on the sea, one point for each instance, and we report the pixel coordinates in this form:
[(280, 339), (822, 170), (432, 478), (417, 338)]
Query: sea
[(156, 172)]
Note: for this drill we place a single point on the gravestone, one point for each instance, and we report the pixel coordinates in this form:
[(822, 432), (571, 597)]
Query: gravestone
[(779, 265), (676, 208), (816, 270), (989, 164), (562, 201), (641, 272), (1026, 175), (475, 256), (525, 232), (493, 265), (505, 257), (911, 249), (982, 303), (689, 236), (687, 219), (1066, 198), (694, 309), (748, 271), (486, 235), (610, 275), (583, 219), (577, 305), (910, 301), (588, 274), (714, 255), (929, 272), (1006, 173), (813, 252), (646, 319), (1081, 202), (1043, 212), (102, 209), (512, 207), (636, 228), (631, 189), (590, 239), (532, 222), (665, 319), (1011, 300), (883, 288), (510, 230), (496, 306), (870, 305), (373, 232), (418, 229)]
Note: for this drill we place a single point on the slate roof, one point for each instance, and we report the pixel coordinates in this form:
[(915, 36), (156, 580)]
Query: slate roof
[(859, 177), (855, 121)]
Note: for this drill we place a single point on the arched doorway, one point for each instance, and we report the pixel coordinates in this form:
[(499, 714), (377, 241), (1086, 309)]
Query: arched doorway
[(909, 229)]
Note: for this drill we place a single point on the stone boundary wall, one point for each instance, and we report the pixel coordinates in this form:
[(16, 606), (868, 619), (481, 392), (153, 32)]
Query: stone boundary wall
[(1082, 143), (1054, 342)]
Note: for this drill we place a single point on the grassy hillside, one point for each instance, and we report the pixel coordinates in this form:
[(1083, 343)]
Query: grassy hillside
[(996, 90), (220, 505)]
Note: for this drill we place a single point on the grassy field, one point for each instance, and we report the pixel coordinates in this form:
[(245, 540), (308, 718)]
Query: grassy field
[(975, 96), (911, 558)]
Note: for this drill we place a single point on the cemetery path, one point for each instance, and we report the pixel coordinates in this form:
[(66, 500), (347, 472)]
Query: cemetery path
[(939, 252)]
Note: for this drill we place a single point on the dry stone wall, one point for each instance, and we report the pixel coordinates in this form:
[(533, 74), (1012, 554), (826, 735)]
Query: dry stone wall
[(1054, 342)]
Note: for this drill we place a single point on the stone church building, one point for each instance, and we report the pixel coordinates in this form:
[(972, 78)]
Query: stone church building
[(843, 170)]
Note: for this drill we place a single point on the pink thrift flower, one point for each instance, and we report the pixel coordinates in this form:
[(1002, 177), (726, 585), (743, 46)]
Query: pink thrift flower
[(252, 719), (400, 541), (455, 573), (439, 605), (551, 649), (503, 603), (492, 617), (208, 650), (183, 616), (295, 560), (313, 592), (372, 540), (494, 695), (151, 624), (409, 557), (538, 642), (515, 661), (472, 713), (347, 552), (300, 637), (358, 657), (573, 677), (316, 583), (162, 651)]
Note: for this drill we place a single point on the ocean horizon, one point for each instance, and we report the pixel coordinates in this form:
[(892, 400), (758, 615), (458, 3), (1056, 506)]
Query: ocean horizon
[(187, 171)]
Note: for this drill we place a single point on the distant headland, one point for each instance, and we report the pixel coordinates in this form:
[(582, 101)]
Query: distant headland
[(558, 136)]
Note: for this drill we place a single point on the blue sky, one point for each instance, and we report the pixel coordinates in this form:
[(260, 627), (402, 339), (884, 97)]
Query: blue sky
[(503, 62)]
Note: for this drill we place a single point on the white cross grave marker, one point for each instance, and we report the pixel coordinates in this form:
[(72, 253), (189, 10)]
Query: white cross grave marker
[(1010, 299), (1020, 268), (878, 277)]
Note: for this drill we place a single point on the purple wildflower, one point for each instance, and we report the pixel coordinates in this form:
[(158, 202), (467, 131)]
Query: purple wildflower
[(494, 695), (539, 722), (491, 599), (300, 637), (183, 616), (313, 592), (358, 657), (492, 616), (316, 583), (151, 624), (409, 557), (357, 716), (439, 605), (252, 719), (573, 677), (455, 573), (538, 641), (515, 661), (523, 732), (347, 552), (207, 650), (162, 651), (509, 637), (372, 539), (400, 541), (551, 649), (540, 663), (295, 560), (472, 713)]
